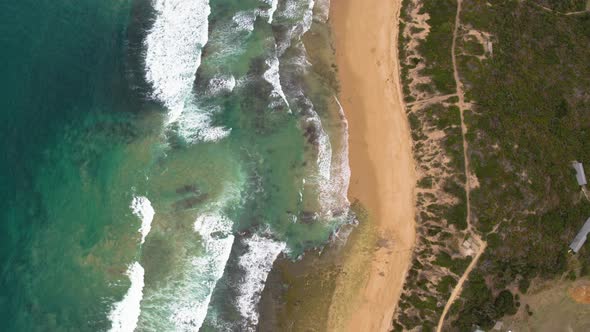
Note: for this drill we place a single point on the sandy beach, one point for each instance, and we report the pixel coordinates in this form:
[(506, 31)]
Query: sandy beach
[(383, 173)]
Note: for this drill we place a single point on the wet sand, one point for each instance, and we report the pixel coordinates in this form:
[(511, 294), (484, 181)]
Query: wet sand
[(382, 165)]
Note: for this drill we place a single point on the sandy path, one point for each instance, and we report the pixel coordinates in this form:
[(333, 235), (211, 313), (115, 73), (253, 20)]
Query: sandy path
[(436, 99), (383, 173), (462, 106), (580, 12), (459, 287)]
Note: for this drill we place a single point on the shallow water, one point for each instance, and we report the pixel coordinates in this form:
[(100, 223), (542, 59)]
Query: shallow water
[(159, 156)]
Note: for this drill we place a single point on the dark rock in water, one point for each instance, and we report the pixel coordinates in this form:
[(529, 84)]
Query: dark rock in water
[(308, 217), (162, 259), (187, 189), (312, 135), (338, 213), (173, 139), (257, 68), (219, 235), (201, 81), (190, 202)]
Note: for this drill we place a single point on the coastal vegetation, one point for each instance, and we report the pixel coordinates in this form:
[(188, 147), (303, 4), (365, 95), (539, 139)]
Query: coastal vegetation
[(524, 70), (443, 246), (530, 120)]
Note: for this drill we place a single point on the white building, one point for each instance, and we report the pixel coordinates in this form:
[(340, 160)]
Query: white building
[(580, 238), (580, 176)]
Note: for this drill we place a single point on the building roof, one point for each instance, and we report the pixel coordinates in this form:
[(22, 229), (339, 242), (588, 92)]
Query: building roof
[(580, 176), (580, 238)]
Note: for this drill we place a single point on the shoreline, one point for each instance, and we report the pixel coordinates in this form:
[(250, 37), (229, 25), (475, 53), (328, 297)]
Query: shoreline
[(381, 161)]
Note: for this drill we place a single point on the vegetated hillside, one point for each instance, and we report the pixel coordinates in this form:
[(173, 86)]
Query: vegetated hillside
[(530, 119), (525, 69)]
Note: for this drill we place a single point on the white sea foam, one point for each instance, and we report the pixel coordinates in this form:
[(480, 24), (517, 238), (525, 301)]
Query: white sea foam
[(222, 83), (124, 314), (257, 263), (229, 41), (273, 8), (323, 178), (333, 172), (324, 159), (300, 9), (302, 14), (188, 299), (244, 20), (308, 16), (181, 302), (324, 162), (215, 231), (322, 11), (194, 125), (142, 208), (341, 167), (173, 56), (269, 13), (272, 76), (209, 223), (291, 9), (174, 46), (332, 175)]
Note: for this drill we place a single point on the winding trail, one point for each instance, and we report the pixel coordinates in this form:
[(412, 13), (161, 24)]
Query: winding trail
[(579, 12), (459, 287), (462, 106), (435, 99)]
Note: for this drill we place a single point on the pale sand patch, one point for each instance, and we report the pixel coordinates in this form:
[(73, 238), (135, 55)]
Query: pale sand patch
[(485, 39), (383, 173), (552, 307)]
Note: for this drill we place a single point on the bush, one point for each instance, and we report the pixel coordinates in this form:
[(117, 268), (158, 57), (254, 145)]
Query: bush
[(523, 285)]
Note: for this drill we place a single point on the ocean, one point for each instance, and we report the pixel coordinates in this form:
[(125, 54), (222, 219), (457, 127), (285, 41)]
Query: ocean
[(159, 156)]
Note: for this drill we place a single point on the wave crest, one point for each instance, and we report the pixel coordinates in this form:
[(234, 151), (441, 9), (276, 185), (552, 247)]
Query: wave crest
[(125, 314), (142, 208), (256, 263)]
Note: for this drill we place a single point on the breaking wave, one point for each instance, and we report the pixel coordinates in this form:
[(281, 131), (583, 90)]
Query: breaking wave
[(195, 124), (322, 11), (272, 76), (142, 208), (173, 56), (271, 11), (340, 166), (256, 263), (125, 314), (222, 83), (190, 309), (244, 20), (181, 303)]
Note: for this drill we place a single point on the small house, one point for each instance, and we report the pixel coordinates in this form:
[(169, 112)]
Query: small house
[(580, 238), (580, 176)]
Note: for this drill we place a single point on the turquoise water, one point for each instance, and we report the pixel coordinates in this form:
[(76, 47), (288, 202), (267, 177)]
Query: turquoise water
[(158, 157)]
